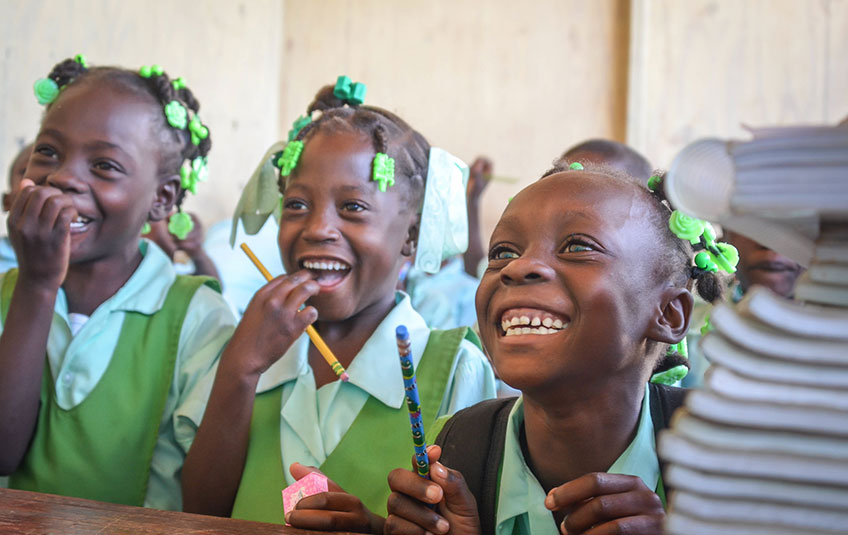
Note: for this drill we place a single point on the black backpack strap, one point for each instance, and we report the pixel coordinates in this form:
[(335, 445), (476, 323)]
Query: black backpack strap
[(664, 401), (473, 443)]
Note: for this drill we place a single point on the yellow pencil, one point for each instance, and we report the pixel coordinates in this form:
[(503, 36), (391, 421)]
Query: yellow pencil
[(310, 330)]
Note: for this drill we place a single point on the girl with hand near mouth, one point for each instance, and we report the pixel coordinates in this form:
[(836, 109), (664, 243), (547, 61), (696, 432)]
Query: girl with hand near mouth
[(585, 289), (104, 346), (353, 183)]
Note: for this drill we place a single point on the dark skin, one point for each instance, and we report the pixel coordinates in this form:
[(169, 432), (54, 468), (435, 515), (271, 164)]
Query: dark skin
[(576, 247), (760, 265), (333, 214), (16, 174), (91, 182), (192, 245)]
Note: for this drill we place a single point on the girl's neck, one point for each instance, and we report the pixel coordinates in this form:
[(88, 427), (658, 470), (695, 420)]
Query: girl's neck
[(89, 284), (347, 337), (580, 431)]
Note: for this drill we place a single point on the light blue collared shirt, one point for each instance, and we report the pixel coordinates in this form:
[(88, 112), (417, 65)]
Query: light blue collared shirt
[(521, 499), (313, 421)]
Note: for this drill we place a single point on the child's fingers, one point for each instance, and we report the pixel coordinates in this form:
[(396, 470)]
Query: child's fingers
[(458, 497), (51, 214), (407, 515), (590, 486), (299, 471), (411, 484), (627, 509)]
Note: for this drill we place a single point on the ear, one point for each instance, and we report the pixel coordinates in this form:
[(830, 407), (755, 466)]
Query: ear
[(671, 321), (165, 198), (411, 243), (7, 202)]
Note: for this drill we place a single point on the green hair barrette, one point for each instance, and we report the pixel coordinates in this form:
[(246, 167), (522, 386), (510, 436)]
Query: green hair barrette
[(198, 131), (384, 171), (576, 166), (81, 59), (46, 90), (352, 93), (289, 158), (701, 234), (180, 225), (147, 71), (176, 114), (190, 175)]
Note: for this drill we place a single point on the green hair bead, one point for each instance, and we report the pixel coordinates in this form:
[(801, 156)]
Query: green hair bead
[(146, 71), (349, 92), (384, 171), (80, 58), (288, 160), (685, 227), (46, 90), (198, 131), (703, 260), (725, 256), (180, 225), (654, 183), (146, 228), (176, 114), (179, 83), (577, 166)]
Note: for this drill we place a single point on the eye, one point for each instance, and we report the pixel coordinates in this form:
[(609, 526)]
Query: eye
[(502, 252), (294, 204), (353, 206), (576, 244), (46, 151), (105, 165)]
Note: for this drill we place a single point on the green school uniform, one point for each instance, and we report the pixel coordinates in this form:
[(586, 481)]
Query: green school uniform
[(355, 432), (121, 398)]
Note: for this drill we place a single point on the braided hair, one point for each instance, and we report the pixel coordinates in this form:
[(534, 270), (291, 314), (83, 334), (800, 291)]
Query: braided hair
[(389, 134), (159, 89)]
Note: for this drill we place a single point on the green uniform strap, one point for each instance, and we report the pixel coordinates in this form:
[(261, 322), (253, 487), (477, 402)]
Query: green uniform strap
[(102, 448), (378, 441)]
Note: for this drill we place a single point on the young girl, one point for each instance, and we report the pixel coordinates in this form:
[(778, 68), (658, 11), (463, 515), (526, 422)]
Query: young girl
[(103, 347), (345, 232), (586, 286)]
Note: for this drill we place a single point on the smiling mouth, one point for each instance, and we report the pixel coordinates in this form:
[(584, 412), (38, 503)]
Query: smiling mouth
[(80, 224), (327, 272), (519, 321)]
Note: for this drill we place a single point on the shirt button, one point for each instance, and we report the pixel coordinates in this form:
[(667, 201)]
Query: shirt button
[(67, 378)]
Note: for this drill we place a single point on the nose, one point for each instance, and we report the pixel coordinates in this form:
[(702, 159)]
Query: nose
[(320, 227), (526, 270), (66, 179)]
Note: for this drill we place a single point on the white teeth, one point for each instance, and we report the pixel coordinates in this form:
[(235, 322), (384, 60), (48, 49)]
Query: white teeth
[(326, 266), (525, 320), (529, 330), (547, 322), (557, 324), (536, 322)]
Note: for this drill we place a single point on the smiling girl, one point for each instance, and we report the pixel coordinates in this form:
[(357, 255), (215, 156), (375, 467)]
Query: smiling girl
[(586, 286), (347, 227), (103, 346)]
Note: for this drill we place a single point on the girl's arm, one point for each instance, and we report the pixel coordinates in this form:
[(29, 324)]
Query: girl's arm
[(39, 228), (271, 323)]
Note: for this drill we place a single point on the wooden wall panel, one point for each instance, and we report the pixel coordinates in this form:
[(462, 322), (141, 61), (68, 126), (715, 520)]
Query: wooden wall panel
[(703, 67)]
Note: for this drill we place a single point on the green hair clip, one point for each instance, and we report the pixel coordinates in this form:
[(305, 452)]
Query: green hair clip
[(176, 114), (353, 94), (180, 225), (289, 158), (298, 125), (190, 175), (384, 171), (686, 227), (716, 255), (576, 166), (655, 182), (179, 83), (80, 58)]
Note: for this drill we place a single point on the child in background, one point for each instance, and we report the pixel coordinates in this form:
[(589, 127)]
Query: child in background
[(586, 287), (16, 174), (606, 153), (353, 183), (103, 346), (197, 261)]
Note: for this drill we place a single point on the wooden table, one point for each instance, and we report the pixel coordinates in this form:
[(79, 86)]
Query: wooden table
[(34, 513)]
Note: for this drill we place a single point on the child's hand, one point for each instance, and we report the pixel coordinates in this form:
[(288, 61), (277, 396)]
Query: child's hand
[(607, 503), (271, 323), (408, 512), (40, 231), (478, 178), (335, 510)]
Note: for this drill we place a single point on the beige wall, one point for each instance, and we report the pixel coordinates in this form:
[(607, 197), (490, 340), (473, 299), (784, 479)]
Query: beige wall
[(518, 81)]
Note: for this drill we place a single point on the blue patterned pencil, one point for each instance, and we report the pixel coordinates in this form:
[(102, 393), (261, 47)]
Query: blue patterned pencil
[(422, 464)]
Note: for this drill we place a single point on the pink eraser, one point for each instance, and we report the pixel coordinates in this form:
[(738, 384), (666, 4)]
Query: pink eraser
[(311, 483)]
